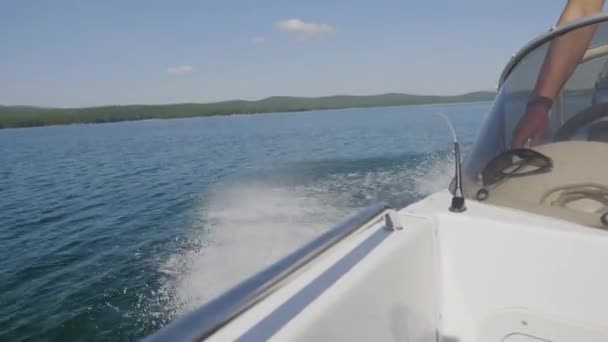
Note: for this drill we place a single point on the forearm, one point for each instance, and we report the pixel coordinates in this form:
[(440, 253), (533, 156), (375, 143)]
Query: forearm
[(565, 52)]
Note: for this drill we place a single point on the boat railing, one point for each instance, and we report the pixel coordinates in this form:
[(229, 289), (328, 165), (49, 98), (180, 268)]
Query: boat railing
[(594, 52), (551, 34), (591, 54), (207, 319)]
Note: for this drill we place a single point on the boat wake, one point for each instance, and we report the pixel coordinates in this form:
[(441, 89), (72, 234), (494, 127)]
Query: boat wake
[(244, 227), (242, 230)]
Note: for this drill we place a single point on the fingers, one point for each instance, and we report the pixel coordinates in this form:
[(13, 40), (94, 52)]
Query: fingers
[(517, 143), (521, 136), (528, 136), (537, 137)]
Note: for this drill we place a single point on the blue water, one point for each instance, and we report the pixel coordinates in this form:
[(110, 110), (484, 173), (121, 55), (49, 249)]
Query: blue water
[(110, 231)]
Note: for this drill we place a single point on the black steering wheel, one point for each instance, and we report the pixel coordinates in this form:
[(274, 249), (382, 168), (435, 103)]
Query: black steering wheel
[(582, 118)]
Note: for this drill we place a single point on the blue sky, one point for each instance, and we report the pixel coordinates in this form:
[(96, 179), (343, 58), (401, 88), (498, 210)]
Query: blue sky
[(84, 53)]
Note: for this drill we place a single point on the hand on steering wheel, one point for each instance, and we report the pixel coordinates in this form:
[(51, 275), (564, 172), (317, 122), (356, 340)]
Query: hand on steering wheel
[(531, 128)]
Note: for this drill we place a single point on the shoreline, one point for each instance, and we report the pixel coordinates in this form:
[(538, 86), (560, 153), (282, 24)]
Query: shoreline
[(27, 117)]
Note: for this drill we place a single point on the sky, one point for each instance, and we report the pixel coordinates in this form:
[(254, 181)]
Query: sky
[(71, 53)]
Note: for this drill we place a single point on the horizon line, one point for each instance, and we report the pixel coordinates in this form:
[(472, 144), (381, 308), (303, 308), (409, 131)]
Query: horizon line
[(239, 100)]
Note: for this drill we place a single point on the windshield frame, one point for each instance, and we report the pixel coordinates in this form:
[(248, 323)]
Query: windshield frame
[(545, 37)]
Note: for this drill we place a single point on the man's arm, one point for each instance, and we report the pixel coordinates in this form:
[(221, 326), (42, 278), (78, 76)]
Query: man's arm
[(561, 60)]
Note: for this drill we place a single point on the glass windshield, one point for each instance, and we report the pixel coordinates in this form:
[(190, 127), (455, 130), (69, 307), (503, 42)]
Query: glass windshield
[(563, 171)]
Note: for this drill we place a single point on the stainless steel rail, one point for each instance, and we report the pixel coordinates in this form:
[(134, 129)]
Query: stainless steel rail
[(594, 52), (206, 320), (540, 40)]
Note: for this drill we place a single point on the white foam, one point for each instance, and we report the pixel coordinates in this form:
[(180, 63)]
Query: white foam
[(243, 229), (434, 175)]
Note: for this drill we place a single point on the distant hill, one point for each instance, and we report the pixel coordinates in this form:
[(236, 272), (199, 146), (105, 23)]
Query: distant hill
[(25, 116)]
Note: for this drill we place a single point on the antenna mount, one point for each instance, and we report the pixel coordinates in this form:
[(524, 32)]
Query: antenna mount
[(458, 201)]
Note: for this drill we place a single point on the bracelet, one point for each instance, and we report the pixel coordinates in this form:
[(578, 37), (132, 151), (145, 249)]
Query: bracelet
[(540, 100)]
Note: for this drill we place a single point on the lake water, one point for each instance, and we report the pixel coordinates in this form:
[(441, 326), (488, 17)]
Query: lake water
[(110, 231)]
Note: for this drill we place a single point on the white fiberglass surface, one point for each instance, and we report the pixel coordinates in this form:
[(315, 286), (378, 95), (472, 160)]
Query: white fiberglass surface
[(506, 272), (389, 292)]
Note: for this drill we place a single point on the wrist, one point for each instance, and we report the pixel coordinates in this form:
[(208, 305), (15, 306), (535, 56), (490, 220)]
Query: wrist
[(540, 101)]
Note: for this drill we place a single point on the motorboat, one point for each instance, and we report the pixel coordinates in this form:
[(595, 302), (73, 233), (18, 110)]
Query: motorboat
[(515, 250)]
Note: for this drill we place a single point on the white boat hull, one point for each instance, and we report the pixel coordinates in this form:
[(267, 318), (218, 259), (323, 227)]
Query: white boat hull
[(489, 274)]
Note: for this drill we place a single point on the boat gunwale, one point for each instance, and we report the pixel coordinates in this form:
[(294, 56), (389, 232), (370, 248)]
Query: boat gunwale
[(212, 316)]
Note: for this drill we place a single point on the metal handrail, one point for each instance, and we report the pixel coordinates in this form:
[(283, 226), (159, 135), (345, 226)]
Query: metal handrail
[(540, 40), (594, 52), (207, 319)]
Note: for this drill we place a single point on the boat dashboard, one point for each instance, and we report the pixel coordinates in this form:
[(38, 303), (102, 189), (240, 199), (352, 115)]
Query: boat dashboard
[(563, 171)]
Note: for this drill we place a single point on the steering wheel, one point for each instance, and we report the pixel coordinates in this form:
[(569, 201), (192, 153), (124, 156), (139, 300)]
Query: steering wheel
[(582, 118), (519, 162)]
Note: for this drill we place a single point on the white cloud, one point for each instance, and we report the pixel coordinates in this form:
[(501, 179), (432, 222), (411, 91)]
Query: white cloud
[(180, 70), (303, 29), (259, 40)]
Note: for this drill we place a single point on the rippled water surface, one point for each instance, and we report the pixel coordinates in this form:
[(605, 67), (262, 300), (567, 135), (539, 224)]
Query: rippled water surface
[(110, 231)]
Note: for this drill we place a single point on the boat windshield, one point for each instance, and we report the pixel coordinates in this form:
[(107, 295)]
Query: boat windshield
[(564, 174)]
